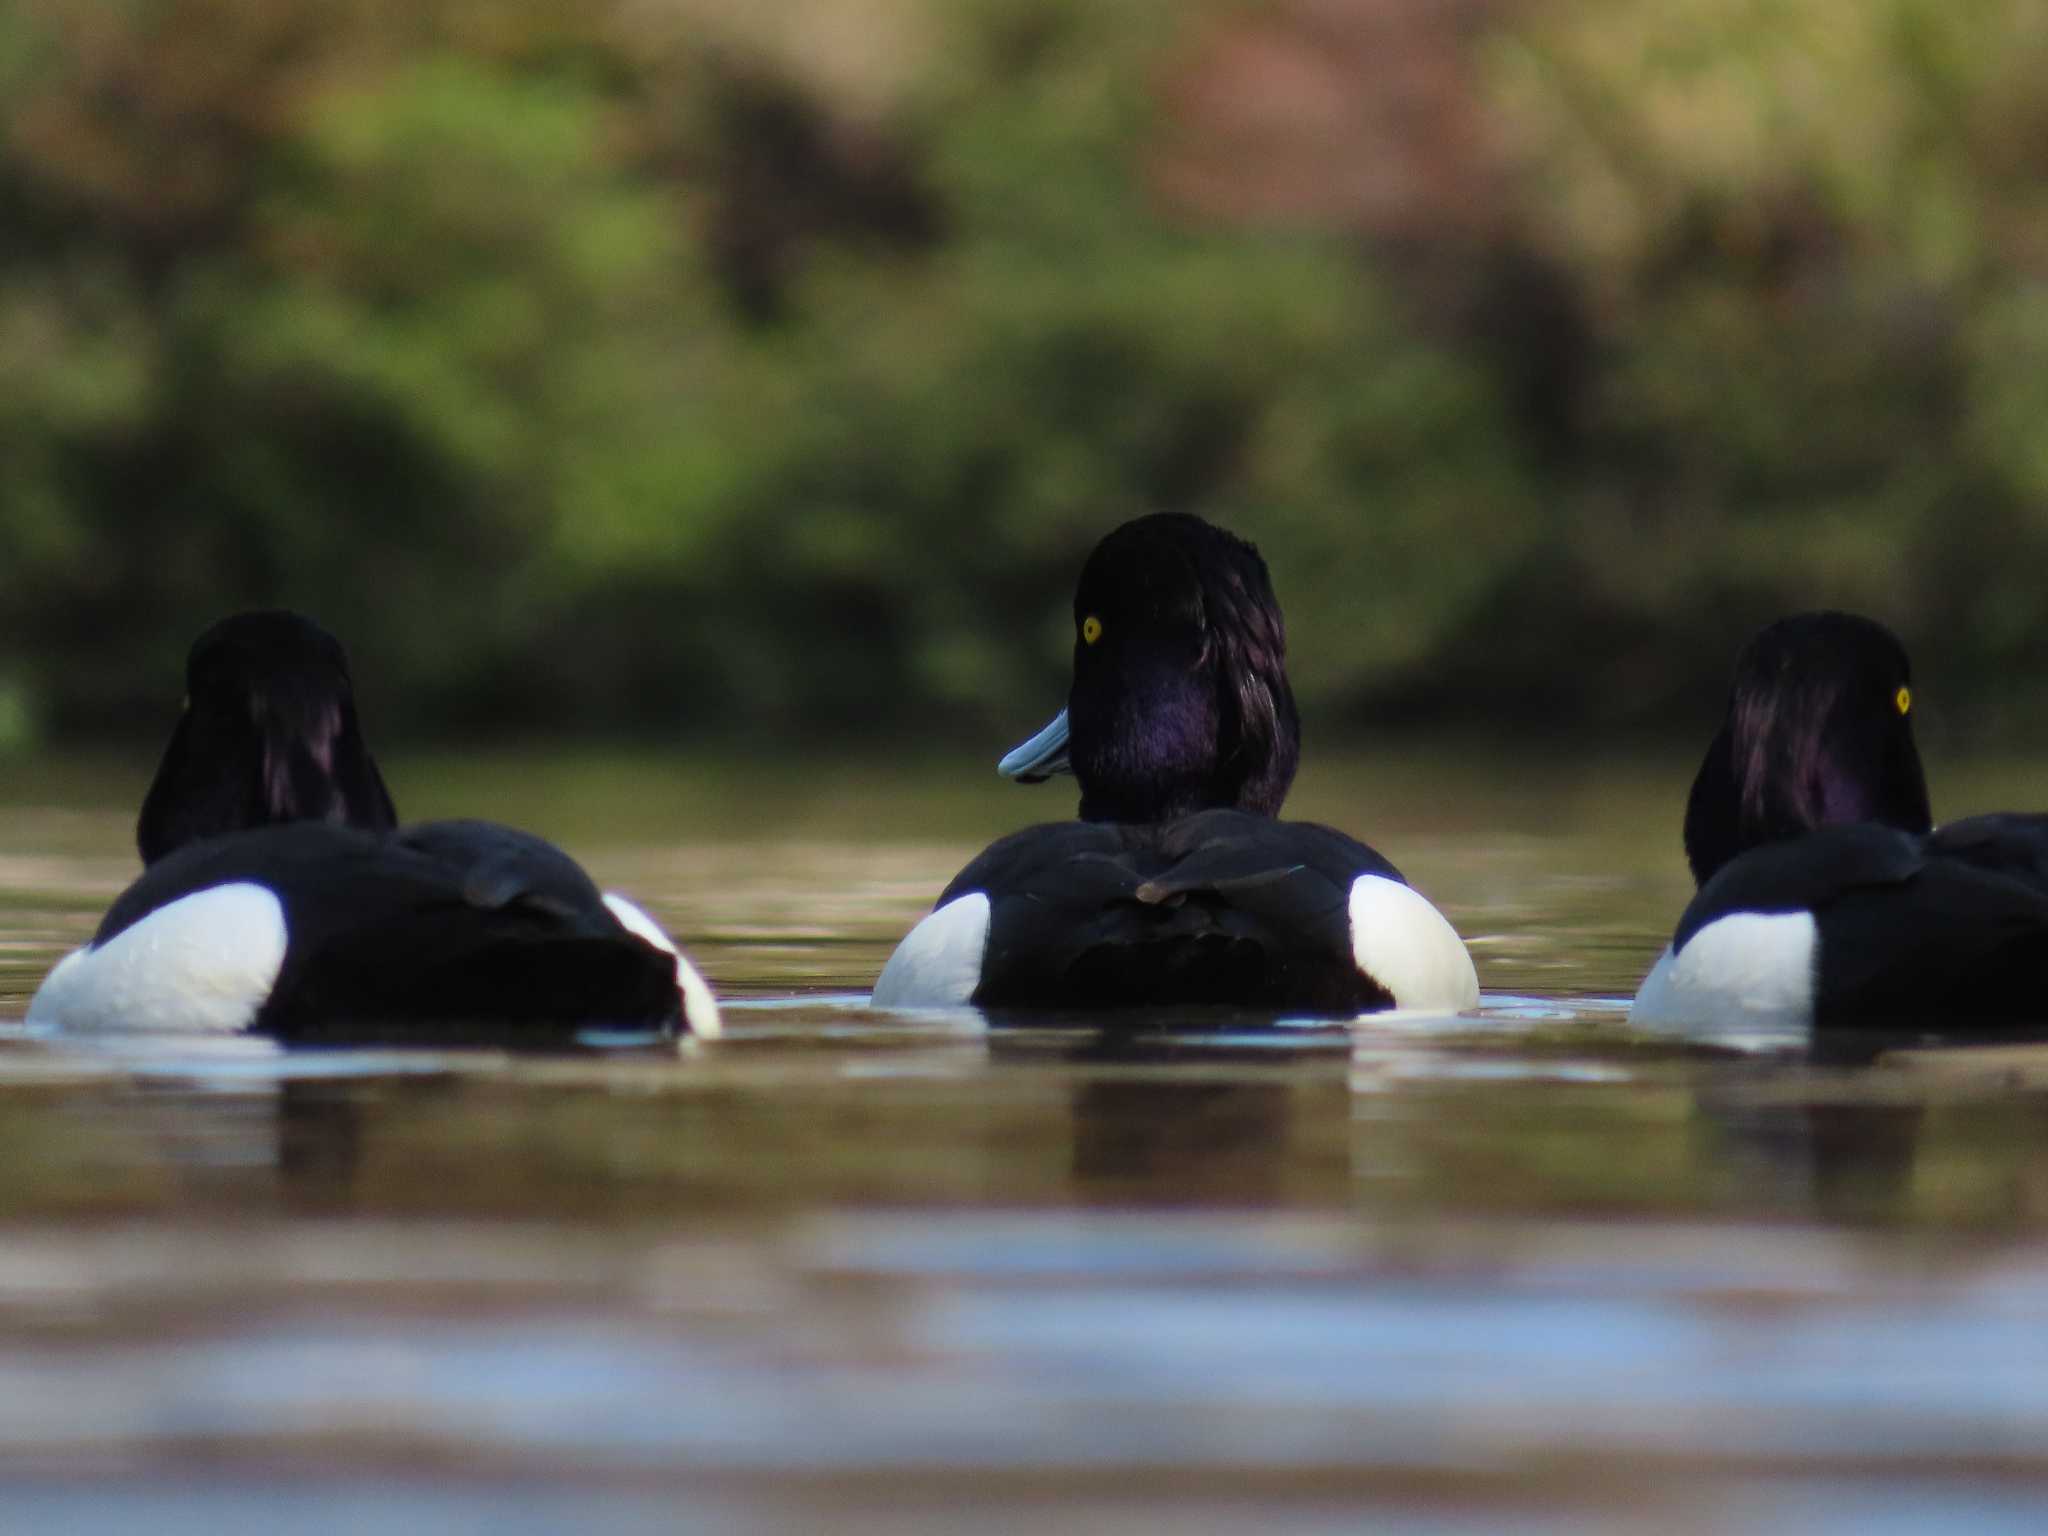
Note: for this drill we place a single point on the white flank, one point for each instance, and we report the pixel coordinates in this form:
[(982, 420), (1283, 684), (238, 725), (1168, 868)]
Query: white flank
[(203, 962), (700, 1008), (1747, 973), (1408, 947), (938, 964)]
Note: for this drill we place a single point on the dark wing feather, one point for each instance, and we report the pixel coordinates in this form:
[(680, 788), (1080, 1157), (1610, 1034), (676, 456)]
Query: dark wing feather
[(1955, 948), (504, 869), (1219, 908), (1959, 946), (2007, 843)]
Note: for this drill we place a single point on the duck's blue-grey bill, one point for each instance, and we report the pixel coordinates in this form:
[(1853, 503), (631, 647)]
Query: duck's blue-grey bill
[(1041, 757)]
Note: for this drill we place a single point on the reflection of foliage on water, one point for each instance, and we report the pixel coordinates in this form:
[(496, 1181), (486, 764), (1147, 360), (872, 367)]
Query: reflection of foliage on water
[(666, 364)]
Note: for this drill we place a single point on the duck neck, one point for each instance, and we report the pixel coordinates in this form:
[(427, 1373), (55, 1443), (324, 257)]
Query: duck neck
[(275, 765), (1176, 745)]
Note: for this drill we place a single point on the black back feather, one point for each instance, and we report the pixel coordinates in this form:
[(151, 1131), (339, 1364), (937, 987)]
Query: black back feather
[(1221, 907)]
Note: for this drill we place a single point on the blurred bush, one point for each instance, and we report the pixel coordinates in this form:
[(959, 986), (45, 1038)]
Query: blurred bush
[(1810, 242), (754, 372)]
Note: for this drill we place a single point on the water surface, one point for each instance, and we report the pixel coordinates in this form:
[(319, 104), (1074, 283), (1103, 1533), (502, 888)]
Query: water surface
[(844, 1269)]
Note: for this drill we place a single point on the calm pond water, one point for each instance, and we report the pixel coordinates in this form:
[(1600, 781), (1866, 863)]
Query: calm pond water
[(1529, 1269)]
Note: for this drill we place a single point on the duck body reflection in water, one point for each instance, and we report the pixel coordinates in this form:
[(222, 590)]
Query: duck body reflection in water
[(1827, 900), (1178, 884)]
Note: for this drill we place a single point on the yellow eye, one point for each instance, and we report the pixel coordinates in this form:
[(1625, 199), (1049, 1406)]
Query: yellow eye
[(1903, 698), (1091, 629)]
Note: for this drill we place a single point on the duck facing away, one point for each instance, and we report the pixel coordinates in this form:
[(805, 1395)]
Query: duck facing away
[(268, 734), (1177, 885), (280, 895), (1827, 900)]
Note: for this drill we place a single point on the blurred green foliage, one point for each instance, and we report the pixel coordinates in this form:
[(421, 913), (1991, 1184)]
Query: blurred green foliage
[(706, 371)]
